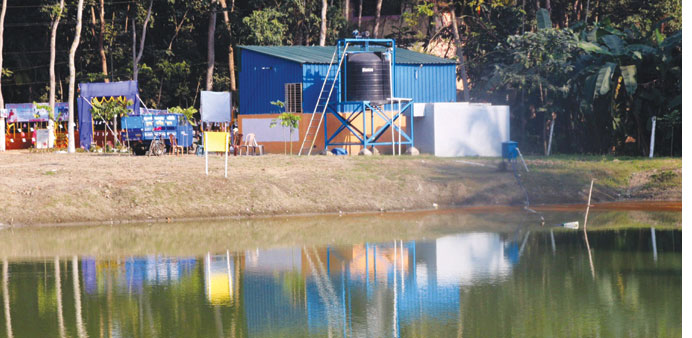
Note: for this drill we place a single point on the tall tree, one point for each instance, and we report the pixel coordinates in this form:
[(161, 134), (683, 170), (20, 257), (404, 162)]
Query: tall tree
[(56, 15), (360, 13), (70, 96), (323, 24), (137, 55), (378, 10), (460, 53), (231, 57), (102, 52), (2, 100), (210, 46), (347, 9)]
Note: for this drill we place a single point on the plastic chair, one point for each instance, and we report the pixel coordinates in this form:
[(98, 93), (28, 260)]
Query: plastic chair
[(237, 140), (251, 142), (175, 148)]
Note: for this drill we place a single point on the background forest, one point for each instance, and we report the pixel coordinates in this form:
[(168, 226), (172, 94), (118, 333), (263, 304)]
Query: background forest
[(599, 69)]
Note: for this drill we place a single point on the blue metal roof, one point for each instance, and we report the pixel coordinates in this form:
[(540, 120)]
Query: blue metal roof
[(323, 55)]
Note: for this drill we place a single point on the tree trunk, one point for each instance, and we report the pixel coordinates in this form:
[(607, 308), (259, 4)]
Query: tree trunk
[(231, 57), (210, 47), (360, 12), (323, 25), (102, 52), (460, 54), (2, 38), (51, 67), (70, 96), (137, 56), (376, 30), (93, 22), (347, 9), (135, 67), (2, 100)]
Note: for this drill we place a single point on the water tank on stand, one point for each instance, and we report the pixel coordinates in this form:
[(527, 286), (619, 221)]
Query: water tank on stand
[(367, 77)]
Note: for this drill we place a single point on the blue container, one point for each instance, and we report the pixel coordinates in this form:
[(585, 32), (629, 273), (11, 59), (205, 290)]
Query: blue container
[(509, 150)]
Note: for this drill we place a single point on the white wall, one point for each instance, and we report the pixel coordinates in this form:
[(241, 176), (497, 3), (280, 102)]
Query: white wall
[(461, 129), (264, 133)]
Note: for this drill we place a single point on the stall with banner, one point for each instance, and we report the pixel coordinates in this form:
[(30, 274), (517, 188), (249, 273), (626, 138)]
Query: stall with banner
[(25, 123), (125, 90)]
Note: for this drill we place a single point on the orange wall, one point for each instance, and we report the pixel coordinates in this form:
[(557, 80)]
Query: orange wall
[(332, 125)]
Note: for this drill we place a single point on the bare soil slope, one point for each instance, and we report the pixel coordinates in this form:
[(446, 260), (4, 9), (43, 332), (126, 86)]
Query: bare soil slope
[(70, 188)]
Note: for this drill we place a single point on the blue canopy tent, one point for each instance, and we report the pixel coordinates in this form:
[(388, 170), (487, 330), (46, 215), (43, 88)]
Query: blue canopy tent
[(88, 91)]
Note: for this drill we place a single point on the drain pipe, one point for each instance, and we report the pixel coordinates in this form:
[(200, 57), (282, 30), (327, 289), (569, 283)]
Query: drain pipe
[(653, 136)]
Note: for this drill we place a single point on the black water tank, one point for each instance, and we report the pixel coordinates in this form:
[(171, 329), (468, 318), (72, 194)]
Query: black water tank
[(367, 77)]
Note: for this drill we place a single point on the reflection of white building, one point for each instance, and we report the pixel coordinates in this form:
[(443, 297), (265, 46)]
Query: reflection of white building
[(466, 259), (273, 260)]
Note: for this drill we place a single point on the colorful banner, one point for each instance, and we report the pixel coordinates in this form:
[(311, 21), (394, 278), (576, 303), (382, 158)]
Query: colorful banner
[(28, 112)]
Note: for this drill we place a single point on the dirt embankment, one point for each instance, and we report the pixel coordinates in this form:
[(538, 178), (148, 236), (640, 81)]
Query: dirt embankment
[(68, 188)]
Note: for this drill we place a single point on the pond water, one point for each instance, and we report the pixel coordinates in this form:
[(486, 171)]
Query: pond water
[(459, 274)]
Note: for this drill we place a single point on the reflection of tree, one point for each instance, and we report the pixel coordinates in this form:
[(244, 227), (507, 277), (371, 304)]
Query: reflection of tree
[(58, 298), (293, 285), (555, 295), (81, 331), (6, 297)]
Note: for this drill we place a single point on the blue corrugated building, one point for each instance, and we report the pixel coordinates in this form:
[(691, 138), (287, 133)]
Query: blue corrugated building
[(265, 70)]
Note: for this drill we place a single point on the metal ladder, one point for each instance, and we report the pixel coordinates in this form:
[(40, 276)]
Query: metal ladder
[(322, 102)]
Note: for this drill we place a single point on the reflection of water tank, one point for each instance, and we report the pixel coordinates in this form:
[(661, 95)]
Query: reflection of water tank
[(367, 77)]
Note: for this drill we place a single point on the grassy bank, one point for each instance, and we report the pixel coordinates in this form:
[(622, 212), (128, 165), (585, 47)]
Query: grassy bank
[(68, 188)]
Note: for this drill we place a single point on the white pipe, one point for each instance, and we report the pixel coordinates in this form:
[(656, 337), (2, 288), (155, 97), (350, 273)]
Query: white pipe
[(653, 136), (522, 160), (225, 169), (653, 243), (391, 100), (398, 111), (550, 139)]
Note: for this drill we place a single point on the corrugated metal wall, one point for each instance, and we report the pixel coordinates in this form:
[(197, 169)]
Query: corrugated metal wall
[(262, 79), (423, 83), (426, 83)]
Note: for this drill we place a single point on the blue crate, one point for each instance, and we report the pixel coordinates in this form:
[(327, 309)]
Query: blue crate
[(509, 150)]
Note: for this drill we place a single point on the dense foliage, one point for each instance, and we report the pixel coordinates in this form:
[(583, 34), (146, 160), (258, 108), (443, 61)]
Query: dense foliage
[(600, 69)]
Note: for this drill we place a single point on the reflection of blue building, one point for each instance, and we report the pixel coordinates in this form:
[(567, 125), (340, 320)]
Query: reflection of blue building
[(138, 270), (426, 280), (270, 282)]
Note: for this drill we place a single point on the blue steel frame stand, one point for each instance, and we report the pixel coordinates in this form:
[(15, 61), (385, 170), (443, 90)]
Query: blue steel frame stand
[(362, 108)]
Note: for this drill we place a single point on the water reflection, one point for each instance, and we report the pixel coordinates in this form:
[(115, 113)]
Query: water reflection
[(472, 284)]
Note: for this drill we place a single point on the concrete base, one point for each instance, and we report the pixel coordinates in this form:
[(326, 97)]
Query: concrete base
[(365, 152), (413, 151)]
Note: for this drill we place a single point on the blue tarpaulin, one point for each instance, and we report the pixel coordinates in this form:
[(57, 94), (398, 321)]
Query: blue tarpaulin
[(88, 91)]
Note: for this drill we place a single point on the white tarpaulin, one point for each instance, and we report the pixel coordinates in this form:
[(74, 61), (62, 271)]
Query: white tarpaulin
[(215, 106)]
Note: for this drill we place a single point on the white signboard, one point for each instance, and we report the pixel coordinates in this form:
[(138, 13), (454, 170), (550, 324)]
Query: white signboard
[(215, 106), (43, 139)]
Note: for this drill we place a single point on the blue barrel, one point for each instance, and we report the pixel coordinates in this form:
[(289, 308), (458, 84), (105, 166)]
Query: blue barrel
[(509, 150)]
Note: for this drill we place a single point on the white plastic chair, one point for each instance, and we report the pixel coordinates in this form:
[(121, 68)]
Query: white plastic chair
[(251, 142)]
